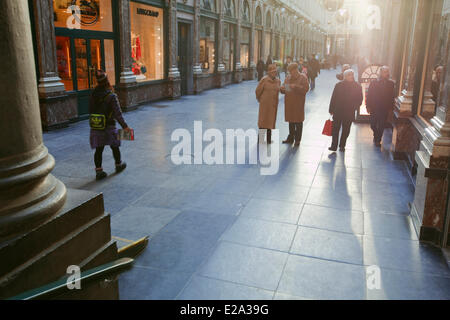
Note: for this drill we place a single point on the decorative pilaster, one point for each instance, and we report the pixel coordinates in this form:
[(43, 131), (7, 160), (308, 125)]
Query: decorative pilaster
[(237, 72), (402, 132), (428, 105), (49, 82), (173, 75), (127, 77), (29, 194), (196, 34), (220, 66)]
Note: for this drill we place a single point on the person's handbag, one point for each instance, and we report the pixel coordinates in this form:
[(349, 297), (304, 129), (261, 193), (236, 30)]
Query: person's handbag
[(97, 121), (328, 128)]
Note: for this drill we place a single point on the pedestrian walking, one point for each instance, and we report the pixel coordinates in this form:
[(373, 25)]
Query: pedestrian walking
[(267, 95), (260, 69), (380, 102), (268, 62), (313, 71), (294, 88), (104, 109), (346, 99)]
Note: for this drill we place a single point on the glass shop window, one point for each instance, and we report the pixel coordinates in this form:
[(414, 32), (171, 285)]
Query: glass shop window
[(147, 42), (245, 47), (95, 15), (64, 60), (207, 45)]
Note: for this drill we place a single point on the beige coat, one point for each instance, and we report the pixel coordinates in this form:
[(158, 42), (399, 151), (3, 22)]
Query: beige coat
[(267, 96), (294, 101)]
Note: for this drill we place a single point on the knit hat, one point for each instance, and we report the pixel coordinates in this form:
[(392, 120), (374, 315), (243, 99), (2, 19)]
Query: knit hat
[(101, 76)]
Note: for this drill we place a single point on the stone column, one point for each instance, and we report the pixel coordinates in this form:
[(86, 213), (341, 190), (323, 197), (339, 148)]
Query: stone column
[(428, 105), (49, 82), (173, 75), (56, 109), (220, 67), (237, 72), (196, 32), (29, 194), (198, 73), (403, 110), (404, 102), (251, 47), (127, 77)]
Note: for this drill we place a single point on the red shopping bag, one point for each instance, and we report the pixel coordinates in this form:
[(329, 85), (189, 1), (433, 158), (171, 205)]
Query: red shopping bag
[(328, 128)]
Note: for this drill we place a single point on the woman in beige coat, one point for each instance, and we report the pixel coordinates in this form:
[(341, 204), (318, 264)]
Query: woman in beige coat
[(267, 96), (295, 88)]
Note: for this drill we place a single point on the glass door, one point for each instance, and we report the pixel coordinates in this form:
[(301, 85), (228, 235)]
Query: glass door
[(89, 58)]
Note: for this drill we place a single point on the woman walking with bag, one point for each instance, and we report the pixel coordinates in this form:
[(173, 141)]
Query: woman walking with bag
[(104, 109), (267, 95)]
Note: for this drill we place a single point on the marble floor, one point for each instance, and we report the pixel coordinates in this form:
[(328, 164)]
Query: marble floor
[(321, 228)]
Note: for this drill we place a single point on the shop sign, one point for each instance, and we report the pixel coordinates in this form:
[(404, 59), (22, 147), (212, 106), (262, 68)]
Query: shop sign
[(147, 12), (84, 12)]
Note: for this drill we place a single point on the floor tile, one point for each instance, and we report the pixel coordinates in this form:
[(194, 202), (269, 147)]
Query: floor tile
[(249, 266)]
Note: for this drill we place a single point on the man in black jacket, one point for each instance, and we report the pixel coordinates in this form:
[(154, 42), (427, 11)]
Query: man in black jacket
[(346, 99), (380, 101)]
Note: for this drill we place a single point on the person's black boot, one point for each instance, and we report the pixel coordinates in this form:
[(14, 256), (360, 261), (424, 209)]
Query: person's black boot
[(332, 148), (288, 140), (100, 174), (120, 167)]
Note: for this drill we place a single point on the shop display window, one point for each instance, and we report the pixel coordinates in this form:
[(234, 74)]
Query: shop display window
[(95, 15), (147, 42), (207, 45), (245, 47), (64, 60)]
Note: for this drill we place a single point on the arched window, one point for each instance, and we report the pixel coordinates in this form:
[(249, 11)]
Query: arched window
[(208, 5), (258, 16), (268, 20), (246, 11), (228, 6)]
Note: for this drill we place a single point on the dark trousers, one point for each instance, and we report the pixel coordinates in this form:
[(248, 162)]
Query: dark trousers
[(377, 123), (312, 83), (295, 131), (337, 125), (98, 156)]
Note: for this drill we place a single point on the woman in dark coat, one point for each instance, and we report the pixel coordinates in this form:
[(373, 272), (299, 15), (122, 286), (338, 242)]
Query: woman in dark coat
[(347, 98), (104, 102)]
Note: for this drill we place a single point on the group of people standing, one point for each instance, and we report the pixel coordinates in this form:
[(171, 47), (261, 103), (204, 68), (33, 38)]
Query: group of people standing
[(294, 88), (347, 97), (311, 68)]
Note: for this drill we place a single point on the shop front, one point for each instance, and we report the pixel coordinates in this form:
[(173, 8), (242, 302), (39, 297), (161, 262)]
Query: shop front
[(85, 42), (245, 52)]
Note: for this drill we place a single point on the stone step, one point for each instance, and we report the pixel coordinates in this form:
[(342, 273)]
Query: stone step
[(80, 208), (79, 246)]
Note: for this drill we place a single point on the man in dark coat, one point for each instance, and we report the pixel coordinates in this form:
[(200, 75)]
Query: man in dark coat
[(380, 102), (260, 67), (346, 99), (313, 71)]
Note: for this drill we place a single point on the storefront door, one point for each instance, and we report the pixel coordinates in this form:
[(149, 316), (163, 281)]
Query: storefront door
[(185, 58), (78, 60)]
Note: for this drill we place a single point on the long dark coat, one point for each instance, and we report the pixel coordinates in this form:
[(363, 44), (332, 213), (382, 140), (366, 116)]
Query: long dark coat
[(260, 67), (294, 101), (101, 138), (380, 98), (346, 99)]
